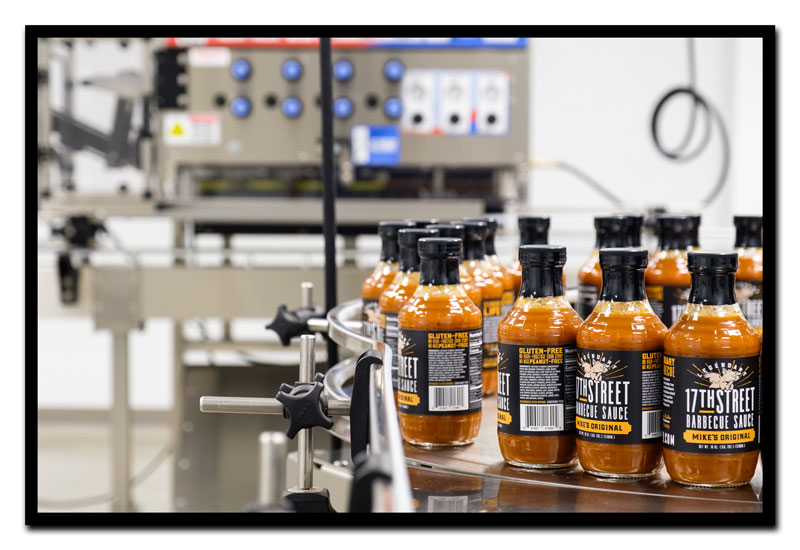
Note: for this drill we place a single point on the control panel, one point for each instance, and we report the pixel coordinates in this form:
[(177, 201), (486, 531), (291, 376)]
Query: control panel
[(398, 104)]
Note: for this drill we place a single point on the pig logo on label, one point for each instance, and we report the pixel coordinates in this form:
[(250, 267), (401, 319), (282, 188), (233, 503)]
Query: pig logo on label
[(402, 341), (744, 292), (594, 370), (722, 380)]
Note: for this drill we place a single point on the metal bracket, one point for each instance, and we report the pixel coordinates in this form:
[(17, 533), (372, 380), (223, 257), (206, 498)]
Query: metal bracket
[(116, 299)]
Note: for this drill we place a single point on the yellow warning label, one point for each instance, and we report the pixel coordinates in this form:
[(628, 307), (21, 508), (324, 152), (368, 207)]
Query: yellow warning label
[(699, 437), (504, 417), (408, 398), (602, 426), (177, 130)]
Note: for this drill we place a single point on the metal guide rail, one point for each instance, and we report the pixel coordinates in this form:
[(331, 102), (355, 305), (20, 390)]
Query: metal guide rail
[(380, 477), (475, 477)]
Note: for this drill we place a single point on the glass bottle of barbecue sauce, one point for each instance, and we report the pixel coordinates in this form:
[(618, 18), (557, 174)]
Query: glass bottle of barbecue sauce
[(750, 275), (439, 378), (380, 278), (536, 365), (532, 230), (491, 297), (667, 278), (500, 272), (618, 383), (455, 230), (400, 290), (712, 382), (611, 232)]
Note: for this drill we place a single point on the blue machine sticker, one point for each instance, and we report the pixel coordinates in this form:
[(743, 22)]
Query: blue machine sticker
[(375, 145)]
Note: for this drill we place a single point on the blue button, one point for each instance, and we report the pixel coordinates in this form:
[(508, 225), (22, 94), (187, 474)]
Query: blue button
[(240, 107), (394, 70), (342, 107), (241, 69), (393, 107), (292, 70), (343, 70), (292, 107)]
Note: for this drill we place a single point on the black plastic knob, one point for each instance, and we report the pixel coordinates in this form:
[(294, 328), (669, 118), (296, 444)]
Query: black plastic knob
[(304, 405), (289, 324)]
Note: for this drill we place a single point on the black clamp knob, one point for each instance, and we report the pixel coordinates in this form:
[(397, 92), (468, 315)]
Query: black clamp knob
[(304, 405), (289, 324)]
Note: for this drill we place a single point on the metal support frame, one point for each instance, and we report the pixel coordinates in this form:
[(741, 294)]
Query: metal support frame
[(120, 424), (328, 184), (305, 438)]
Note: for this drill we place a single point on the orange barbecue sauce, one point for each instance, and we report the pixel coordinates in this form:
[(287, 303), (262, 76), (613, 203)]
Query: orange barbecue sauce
[(667, 278), (619, 370), (712, 350), (400, 290), (439, 325), (545, 325), (611, 231), (486, 280), (383, 274)]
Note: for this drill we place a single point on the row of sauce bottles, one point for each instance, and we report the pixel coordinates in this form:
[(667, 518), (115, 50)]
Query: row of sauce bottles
[(445, 314)]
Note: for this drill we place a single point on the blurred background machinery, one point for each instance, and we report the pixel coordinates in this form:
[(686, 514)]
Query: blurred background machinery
[(226, 134)]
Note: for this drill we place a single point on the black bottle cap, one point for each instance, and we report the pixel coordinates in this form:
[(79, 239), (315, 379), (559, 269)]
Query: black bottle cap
[(422, 224), (452, 230), (610, 224), (475, 230), (623, 258), (490, 221), (673, 231), (713, 262), (542, 254), (533, 229), (751, 223), (748, 231), (541, 223), (439, 247), (408, 237), (677, 222), (388, 230), (633, 227)]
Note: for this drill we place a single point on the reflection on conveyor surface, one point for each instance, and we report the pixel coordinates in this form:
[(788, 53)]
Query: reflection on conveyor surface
[(473, 467)]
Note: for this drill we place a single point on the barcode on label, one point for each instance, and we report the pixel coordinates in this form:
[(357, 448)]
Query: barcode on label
[(448, 504), (541, 418), (448, 398), (651, 424)]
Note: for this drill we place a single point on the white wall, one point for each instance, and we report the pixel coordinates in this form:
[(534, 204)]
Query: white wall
[(592, 100)]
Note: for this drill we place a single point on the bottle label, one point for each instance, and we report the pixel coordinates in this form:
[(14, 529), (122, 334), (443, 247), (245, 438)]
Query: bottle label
[(750, 297), (712, 405), (492, 315), (668, 302), (536, 389), (508, 301), (439, 371), (587, 299), (371, 319), (618, 396), (389, 333)]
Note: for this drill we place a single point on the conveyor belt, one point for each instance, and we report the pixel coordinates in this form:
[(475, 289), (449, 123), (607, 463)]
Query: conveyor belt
[(475, 478)]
